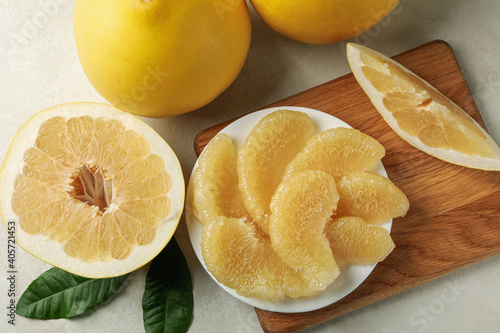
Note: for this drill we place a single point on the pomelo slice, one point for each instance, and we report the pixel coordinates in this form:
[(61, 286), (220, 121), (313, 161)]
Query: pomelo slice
[(420, 114)]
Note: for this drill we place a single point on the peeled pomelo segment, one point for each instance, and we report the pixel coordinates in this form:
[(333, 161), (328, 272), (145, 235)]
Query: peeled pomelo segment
[(241, 258), (264, 155), (370, 196), (354, 241), (235, 257), (420, 114), (300, 209), (60, 186), (215, 182), (337, 151)]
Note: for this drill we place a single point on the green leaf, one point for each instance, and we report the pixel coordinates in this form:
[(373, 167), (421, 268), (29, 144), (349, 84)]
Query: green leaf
[(58, 294), (167, 302)]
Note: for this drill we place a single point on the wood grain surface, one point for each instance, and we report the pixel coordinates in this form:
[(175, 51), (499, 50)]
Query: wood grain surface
[(454, 216)]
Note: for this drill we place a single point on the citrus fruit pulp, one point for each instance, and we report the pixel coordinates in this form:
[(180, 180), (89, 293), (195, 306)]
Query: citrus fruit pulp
[(161, 58), (350, 277), (94, 190), (338, 151), (322, 21), (353, 240), (215, 182), (300, 209), (257, 270), (370, 196), (262, 159), (420, 114)]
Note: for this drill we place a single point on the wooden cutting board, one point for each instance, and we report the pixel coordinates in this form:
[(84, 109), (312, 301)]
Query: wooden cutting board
[(454, 216)]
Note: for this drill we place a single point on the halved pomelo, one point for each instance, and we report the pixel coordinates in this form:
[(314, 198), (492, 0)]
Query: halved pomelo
[(91, 189)]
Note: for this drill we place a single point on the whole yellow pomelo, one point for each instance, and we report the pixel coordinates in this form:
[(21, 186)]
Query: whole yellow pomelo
[(322, 21), (160, 58)]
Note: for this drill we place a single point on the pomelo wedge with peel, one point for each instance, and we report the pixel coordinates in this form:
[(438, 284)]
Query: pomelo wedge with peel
[(92, 189), (420, 114)]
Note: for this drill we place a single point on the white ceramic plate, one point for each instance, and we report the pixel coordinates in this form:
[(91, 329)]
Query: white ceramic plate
[(350, 277)]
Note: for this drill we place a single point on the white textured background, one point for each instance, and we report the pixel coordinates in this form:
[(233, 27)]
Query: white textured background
[(39, 68)]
